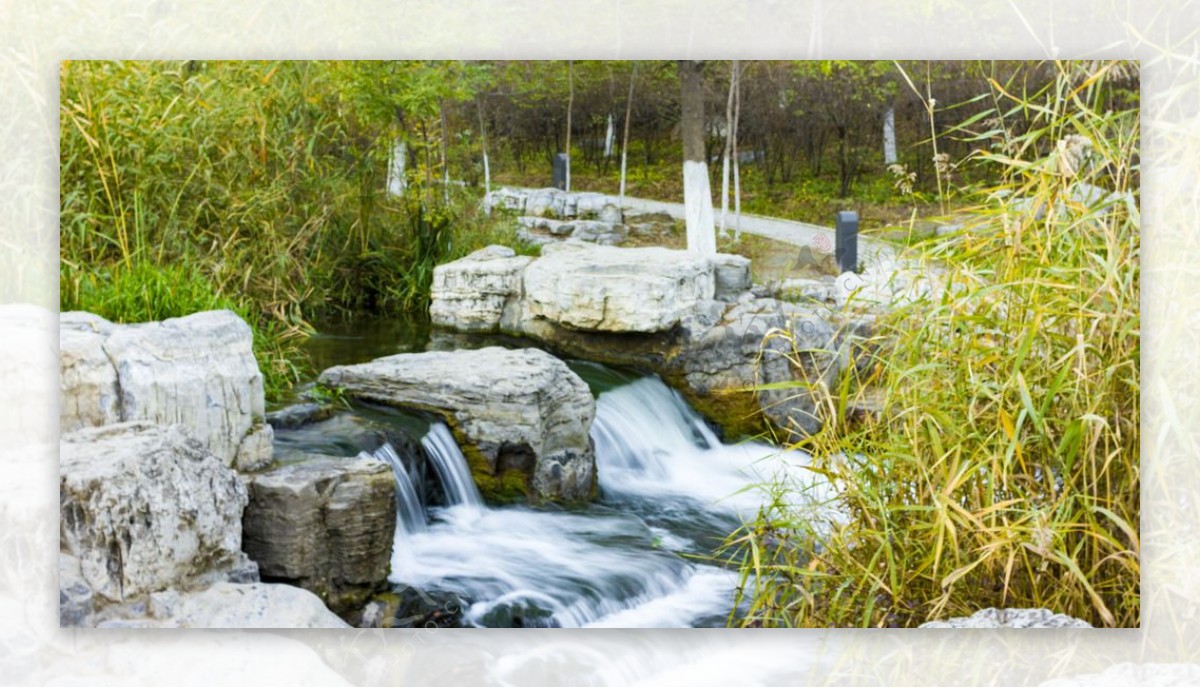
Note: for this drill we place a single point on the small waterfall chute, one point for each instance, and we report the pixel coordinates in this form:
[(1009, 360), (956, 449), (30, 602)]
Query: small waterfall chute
[(410, 512), (451, 467)]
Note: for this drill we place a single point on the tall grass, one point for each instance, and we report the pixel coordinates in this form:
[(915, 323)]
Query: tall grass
[(1004, 467), (257, 186)]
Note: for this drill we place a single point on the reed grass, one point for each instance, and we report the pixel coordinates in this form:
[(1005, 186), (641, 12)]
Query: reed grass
[(1004, 468), (254, 186)]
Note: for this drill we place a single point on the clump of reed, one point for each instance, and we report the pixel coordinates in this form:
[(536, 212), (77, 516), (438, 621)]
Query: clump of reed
[(255, 186), (1003, 469)]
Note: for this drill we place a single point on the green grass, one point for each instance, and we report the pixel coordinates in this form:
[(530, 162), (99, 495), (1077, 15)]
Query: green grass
[(1004, 468)]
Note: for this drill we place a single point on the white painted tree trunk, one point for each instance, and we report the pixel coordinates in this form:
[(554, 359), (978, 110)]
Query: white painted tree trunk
[(608, 138), (396, 181), (889, 136), (698, 210)]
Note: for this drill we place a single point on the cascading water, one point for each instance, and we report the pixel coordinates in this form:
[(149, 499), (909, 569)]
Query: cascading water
[(410, 512), (451, 467), (668, 487)]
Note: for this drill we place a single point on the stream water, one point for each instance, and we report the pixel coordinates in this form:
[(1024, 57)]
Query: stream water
[(639, 556)]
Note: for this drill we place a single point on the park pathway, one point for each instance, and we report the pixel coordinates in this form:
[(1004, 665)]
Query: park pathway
[(870, 251)]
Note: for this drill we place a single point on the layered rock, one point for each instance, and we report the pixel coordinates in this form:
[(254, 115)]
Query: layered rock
[(516, 413), (198, 371), (605, 289), (326, 524), (1010, 618), (695, 320), (476, 293), (144, 508)]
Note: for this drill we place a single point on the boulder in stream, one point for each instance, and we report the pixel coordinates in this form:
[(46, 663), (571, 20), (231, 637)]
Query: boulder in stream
[(326, 524), (697, 321), (521, 416)]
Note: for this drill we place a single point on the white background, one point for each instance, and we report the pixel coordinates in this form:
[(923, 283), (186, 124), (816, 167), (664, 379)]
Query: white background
[(35, 36)]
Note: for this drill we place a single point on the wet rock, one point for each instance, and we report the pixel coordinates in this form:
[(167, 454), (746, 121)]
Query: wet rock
[(326, 524), (598, 288), (198, 371), (298, 415), (478, 292), (519, 410), (762, 342), (146, 507), (1010, 618)]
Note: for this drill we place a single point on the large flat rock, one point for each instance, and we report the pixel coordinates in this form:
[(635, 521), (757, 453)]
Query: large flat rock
[(326, 524), (513, 410), (606, 289), (144, 508), (198, 371)]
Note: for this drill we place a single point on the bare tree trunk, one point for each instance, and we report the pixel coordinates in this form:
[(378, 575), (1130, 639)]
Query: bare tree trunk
[(737, 182), (625, 138), (697, 197), (445, 165), (570, 104), (889, 136), (728, 146)]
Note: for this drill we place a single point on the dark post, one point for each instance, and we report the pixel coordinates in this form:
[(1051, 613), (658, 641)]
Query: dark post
[(846, 248), (560, 171)]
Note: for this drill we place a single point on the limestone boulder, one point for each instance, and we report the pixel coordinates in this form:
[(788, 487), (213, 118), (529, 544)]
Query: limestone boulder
[(198, 371), (478, 292), (517, 411), (610, 213), (762, 342), (606, 289), (597, 232), (90, 396), (326, 524), (225, 605), (250, 605), (143, 508), (1010, 618), (732, 275)]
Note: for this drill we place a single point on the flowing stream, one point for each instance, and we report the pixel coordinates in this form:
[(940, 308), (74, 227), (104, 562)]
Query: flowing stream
[(639, 556)]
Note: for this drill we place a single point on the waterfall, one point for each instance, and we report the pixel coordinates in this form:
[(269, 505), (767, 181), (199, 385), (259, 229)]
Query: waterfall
[(669, 487), (651, 444), (410, 513), (451, 467)]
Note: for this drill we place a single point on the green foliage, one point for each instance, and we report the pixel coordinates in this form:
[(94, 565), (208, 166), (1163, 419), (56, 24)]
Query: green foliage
[(1003, 469), (255, 186), (329, 396)]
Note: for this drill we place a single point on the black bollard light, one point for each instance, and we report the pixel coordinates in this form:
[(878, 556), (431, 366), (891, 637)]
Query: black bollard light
[(845, 251), (559, 178)]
